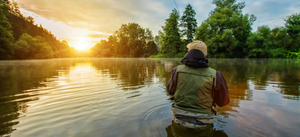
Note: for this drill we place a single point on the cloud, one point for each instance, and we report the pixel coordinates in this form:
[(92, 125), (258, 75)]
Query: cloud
[(103, 16), (108, 15), (98, 35), (271, 12)]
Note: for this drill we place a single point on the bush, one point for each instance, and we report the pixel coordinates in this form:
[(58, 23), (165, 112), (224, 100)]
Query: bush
[(277, 53), (293, 55), (180, 55), (159, 55)]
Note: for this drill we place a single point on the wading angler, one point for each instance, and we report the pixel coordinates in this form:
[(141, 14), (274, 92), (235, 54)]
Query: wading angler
[(196, 89)]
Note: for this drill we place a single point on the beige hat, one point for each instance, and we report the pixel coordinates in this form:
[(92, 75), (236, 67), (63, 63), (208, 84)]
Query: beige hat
[(199, 45)]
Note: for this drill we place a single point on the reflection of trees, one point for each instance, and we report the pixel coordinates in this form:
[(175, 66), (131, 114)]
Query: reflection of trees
[(165, 67), (261, 72), (286, 73), (16, 78), (236, 79), (131, 73), (239, 73)]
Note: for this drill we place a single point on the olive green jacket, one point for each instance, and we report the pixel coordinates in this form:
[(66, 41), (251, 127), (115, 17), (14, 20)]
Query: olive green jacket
[(195, 86), (194, 89)]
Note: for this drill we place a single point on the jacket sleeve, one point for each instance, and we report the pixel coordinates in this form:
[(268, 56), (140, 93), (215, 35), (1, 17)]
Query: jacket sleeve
[(171, 85), (221, 94)]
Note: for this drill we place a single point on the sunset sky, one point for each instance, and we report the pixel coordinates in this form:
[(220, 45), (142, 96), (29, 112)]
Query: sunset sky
[(83, 23)]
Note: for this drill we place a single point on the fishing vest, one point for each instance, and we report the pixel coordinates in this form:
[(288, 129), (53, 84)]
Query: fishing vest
[(194, 89)]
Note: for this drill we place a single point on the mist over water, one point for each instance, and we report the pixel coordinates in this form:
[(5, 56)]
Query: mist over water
[(127, 97)]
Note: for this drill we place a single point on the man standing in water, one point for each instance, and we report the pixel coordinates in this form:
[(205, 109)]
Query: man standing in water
[(196, 89)]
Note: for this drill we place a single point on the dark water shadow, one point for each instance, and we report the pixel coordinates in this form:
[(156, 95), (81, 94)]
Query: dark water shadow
[(175, 130)]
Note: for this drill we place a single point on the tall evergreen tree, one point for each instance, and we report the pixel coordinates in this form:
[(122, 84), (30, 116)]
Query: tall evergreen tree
[(188, 23), (170, 37)]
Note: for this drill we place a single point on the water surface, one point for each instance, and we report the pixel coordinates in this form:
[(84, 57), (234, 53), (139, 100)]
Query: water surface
[(127, 97)]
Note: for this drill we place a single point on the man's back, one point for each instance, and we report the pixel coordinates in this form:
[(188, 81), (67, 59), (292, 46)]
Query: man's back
[(196, 88)]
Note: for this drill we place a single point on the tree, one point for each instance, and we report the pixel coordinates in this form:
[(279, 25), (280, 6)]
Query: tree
[(170, 37), (128, 41), (280, 38), (131, 40), (188, 23), (150, 48), (226, 30), (293, 29), (6, 37), (257, 46), (31, 20), (102, 49), (28, 47)]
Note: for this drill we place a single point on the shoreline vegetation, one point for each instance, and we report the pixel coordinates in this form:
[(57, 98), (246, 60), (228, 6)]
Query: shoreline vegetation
[(227, 33)]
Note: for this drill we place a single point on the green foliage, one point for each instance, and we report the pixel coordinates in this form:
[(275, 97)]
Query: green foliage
[(184, 43), (226, 30), (103, 49), (170, 38), (131, 40), (28, 47), (21, 49), (188, 23), (280, 38), (293, 55), (159, 55), (282, 42), (230, 4), (258, 43), (293, 25), (13, 25), (293, 29), (275, 43), (277, 53), (180, 55), (151, 48), (6, 37)]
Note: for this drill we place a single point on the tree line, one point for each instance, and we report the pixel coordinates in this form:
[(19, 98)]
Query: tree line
[(20, 38), (227, 34), (130, 40)]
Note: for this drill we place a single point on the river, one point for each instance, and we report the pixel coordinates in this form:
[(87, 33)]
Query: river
[(127, 97)]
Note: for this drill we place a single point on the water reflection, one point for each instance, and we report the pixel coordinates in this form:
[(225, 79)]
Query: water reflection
[(84, 97), (175, 130)]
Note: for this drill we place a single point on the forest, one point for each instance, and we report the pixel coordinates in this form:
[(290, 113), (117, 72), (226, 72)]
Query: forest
[(20, 38), (227, 33)]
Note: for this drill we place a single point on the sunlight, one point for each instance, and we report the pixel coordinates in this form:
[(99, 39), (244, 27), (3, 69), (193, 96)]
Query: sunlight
[(82, 44)]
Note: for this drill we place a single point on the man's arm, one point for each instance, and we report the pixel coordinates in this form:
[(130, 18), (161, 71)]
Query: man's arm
[(221, 94), (171, 85)]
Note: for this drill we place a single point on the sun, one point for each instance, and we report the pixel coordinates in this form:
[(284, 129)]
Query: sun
[(82, 44)]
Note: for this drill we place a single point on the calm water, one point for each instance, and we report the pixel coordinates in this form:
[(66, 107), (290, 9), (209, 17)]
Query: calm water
[(127, 97)]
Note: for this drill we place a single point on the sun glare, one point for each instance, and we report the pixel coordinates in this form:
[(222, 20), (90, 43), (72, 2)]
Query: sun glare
[(82, 44)]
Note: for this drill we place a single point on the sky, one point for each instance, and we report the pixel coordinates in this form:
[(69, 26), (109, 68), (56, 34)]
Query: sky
[(83, 23)]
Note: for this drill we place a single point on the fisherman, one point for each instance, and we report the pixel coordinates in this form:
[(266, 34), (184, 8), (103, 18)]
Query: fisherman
[(196, 89)]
